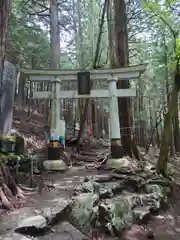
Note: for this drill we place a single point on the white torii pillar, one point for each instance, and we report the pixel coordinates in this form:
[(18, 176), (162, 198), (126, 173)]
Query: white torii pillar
[(55, 126), (115, 136)]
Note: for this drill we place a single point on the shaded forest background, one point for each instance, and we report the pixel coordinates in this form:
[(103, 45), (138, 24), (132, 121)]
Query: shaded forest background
[(95, 34)]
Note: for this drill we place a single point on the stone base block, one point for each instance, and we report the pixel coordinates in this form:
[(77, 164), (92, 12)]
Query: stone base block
[(55, 165), (117, 163)]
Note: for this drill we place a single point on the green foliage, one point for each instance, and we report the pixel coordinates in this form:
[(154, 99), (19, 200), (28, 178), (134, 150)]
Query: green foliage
[(158, 46), (178, 47), (26, 39), (153, 38), (28, 34)]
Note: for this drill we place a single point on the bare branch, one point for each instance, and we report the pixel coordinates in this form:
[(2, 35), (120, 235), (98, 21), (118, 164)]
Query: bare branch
[(172, 8), (40, 13), (135, 33), (174, 33), (100, 35), (134, 15), (40, 4)]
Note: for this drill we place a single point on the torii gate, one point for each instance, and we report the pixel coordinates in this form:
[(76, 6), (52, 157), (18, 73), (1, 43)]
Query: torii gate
[(110, 75)]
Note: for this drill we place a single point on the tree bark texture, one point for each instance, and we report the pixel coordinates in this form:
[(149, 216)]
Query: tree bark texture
[(4, 10), (9, 190), (122, 60), (55, 35), (167, 132)]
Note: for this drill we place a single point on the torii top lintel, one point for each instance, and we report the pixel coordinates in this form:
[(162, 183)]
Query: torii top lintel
[(132, 72)]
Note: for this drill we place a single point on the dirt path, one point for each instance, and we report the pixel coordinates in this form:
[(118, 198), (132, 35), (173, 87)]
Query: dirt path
[(165, 226), (57, 198)]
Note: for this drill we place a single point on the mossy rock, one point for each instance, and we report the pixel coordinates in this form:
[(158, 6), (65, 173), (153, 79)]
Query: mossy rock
[(82, 212), (116, 214), (12, 144), (102, 190)]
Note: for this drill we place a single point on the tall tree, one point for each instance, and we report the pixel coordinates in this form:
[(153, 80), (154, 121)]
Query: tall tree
[(55, 34), (168, 19), (8, 187), (55, 49), (122, 60), (4, 11)]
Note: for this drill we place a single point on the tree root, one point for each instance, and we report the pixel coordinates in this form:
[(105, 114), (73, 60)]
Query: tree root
[(11, 194), (20, 193), (7, 191), (26, 188), (5, 201)]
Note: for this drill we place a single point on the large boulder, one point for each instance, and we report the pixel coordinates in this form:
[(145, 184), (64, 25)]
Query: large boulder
[(32, 225), (15, 236), (115, 214), (103, 190), (83, 212)]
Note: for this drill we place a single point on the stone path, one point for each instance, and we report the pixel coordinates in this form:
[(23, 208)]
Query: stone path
[(64, 183), (165, 226)]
